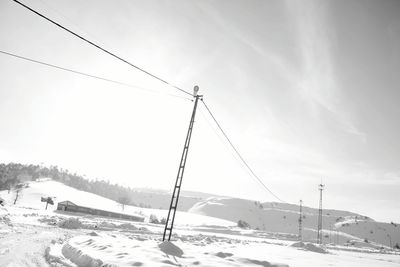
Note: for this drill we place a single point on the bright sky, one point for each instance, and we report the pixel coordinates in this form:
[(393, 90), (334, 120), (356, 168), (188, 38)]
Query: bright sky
[(306, 90)]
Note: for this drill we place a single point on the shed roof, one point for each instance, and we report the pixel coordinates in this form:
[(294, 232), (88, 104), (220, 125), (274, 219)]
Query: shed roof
[(67, 203)]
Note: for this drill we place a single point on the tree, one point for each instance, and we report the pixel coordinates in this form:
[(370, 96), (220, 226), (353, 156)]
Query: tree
[(18, 189), (154, 219), (243, 224), (124, 200), (48, 201), (16, 195)]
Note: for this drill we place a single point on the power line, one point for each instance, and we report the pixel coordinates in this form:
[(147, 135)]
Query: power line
[(70, 21), (85, 74), (222, 140), (239, 155), (140, 69), (101, 48)]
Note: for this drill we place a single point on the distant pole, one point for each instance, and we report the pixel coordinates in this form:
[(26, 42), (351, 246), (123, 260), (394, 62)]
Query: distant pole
[(300, 220), (169, 224), (319, 232), (390, 240), (337, 236)]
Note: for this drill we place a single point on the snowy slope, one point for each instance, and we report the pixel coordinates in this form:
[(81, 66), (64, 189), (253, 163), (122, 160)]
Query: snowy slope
[(382, 233), (30, 197), (339, 226), (160, 199)]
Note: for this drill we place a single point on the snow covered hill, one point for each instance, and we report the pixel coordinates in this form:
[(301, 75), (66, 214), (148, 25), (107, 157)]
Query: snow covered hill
[(383, 233), (339, 226), (160, 199), (32, 192)]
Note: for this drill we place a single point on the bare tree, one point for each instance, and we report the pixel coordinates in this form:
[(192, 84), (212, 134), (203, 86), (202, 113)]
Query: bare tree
[(124, 200), (18, 189), (16, 195)]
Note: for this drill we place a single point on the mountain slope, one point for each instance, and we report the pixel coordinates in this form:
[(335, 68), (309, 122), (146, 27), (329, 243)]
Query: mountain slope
[(338, 226)]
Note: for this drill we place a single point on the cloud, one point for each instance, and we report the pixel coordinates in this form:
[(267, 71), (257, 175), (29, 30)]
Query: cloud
[(247, 39), (317, 84)]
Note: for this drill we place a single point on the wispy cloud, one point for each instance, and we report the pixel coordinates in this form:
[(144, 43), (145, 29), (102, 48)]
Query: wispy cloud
[(317, 84), (247, 39)]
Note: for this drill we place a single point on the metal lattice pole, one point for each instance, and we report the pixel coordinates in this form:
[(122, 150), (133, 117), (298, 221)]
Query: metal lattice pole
[(319, 233), (300, 220), (169, 224)]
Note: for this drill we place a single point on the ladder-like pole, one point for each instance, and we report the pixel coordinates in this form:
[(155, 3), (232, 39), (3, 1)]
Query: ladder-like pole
[(319, 233), (169, 224)]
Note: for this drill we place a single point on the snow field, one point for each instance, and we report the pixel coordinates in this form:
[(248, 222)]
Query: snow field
[(148, 250), (134, 249)]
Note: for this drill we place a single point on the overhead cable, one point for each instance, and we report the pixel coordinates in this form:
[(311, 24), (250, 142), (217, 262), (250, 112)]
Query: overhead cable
[(254, 175), (101, 48), (86, 74)]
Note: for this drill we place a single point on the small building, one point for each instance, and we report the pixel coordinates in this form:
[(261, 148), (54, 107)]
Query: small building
[(72, 207)]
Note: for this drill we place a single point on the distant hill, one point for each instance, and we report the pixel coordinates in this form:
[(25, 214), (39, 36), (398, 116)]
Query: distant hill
[(161, 199), (339, 226)]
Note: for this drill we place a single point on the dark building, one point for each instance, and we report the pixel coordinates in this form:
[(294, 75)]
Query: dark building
[(72, 207)]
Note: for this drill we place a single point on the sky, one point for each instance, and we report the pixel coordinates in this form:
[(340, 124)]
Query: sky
[(308, 92)]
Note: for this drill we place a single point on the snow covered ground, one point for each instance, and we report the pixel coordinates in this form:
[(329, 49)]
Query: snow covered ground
[(32, 236)]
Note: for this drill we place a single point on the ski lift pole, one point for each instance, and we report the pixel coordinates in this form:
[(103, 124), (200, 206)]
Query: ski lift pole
[(169, 224)]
